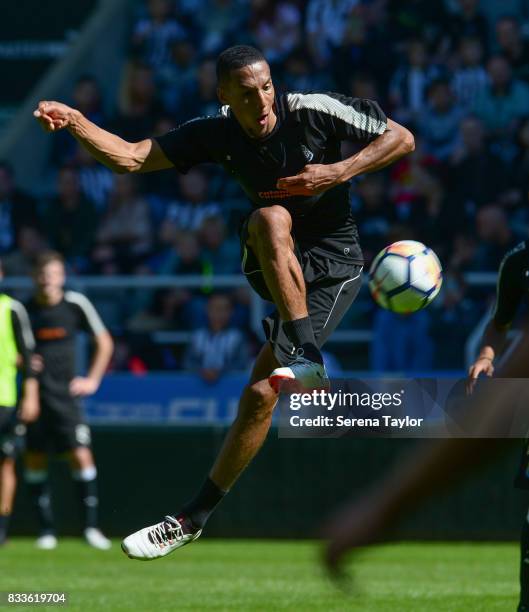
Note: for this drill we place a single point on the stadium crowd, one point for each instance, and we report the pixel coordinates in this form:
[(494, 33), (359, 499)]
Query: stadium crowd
[(456, 72)]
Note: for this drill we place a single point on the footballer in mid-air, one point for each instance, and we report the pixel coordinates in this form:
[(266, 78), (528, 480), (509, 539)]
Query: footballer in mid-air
[(299, 242)]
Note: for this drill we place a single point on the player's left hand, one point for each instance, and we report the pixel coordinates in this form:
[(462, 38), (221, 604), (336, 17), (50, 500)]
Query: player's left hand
[(81, 386), (312, 180)]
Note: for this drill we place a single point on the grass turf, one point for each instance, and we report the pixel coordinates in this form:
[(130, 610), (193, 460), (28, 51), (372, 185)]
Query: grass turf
[(255, 575)]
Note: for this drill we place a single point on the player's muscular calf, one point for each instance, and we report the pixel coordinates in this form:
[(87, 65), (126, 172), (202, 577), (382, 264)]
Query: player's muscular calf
[(246, 434), (250, 428), (270, 239)]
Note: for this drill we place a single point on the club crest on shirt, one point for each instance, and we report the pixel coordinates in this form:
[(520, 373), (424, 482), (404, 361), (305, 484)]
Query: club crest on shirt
[(307, 153)]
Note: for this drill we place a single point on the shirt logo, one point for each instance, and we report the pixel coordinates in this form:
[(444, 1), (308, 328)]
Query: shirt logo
[(276, 194), (307, 153), (50, 333)]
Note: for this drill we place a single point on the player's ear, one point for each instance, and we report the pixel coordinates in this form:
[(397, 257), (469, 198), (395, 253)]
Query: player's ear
[(221, 94)]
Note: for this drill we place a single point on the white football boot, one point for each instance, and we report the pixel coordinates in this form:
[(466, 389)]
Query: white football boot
[(301, 375), (96, 539), (159, 540), (46, 542)]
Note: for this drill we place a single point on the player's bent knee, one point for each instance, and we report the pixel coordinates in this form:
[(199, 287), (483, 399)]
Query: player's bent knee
[(264, 220), (258, 401)]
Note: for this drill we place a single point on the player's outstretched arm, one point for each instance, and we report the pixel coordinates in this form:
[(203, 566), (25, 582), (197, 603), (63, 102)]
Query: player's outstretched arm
[(111, 150)]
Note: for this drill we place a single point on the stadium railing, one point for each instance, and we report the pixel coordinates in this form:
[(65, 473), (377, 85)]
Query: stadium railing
[(234, 281)]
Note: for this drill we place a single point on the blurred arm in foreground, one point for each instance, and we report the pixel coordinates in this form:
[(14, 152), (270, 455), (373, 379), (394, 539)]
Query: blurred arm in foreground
[(436, 465)]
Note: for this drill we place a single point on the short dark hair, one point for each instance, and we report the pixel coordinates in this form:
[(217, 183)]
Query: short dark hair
[(237, 57), (46, 257)]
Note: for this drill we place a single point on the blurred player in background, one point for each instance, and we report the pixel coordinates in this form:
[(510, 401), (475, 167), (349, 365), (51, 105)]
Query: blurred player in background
[(512, 288), (299, 245), (16, 346), (441, 463), (56, 317)]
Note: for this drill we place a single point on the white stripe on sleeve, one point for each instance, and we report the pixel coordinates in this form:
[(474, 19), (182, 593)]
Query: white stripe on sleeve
[(326, 104), (94, 320), (25, 326)]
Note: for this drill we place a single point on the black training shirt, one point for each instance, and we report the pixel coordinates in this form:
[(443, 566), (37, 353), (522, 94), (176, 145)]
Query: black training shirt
[(55, 328), (309, 129), (513, 284)]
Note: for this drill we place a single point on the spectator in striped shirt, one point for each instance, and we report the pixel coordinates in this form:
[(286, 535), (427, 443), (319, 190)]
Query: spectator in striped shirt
[(154, 35), (217, 348), (470, 78)]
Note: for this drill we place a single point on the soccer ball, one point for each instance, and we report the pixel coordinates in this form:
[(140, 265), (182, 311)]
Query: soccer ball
[(405, 276)]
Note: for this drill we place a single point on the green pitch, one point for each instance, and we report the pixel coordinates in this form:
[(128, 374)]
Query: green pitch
[(265, 575)]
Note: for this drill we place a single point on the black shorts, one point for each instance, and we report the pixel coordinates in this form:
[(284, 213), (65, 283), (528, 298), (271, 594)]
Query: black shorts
[(61, 427), (332, 286), (11, 433)]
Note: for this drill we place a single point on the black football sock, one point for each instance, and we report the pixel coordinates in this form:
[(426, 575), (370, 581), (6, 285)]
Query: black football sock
[(524, 565), (301, 334), (86, 486), (4, 524), (207, 499), (39, 491)]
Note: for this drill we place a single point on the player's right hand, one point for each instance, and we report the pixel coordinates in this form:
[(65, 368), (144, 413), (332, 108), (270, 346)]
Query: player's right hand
[(29, 410), (53, 116), (482, 365), (81, 386)]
